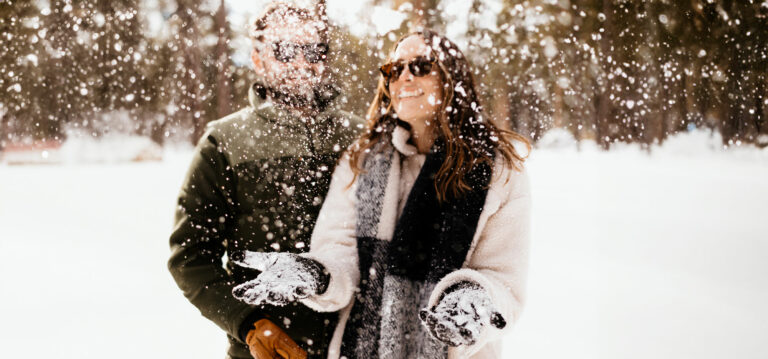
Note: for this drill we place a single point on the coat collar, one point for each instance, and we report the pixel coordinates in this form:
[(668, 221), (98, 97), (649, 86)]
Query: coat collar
[(271, 111), (400, 137)]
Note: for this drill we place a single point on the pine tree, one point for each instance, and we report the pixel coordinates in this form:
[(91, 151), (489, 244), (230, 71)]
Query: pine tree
[(21, 54)]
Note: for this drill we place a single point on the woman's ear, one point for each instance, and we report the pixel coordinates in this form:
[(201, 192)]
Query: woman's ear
[(258, 65)]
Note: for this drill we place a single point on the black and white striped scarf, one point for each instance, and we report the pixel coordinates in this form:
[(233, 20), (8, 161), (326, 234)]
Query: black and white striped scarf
[(398, 270)]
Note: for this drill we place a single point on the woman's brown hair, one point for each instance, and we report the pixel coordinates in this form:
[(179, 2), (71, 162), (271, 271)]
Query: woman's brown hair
[(468, 137)]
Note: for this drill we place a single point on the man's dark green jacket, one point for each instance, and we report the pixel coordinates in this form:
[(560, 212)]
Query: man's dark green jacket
[(256, 182)]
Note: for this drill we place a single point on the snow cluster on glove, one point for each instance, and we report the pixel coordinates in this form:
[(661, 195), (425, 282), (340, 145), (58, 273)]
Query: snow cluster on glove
[(284, 278), (461, 314)]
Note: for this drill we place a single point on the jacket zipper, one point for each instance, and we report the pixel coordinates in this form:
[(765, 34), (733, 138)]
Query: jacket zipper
[(309, 138)]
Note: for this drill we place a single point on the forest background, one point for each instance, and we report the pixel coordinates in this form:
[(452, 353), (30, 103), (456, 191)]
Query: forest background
[(604, 70)]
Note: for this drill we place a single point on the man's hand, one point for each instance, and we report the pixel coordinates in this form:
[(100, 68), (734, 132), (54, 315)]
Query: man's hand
[(267, 341), (461, 315), (284, 278)]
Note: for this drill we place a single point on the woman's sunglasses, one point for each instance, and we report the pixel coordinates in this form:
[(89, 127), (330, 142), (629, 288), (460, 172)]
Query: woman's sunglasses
[(287, 51), (419, 66)]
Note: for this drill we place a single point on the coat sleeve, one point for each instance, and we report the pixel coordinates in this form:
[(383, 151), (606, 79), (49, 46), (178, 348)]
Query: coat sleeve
[(204, 216), (334, 243), (499, 260)]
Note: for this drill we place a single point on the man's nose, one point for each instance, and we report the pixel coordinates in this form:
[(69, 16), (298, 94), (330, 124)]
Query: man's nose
[(300, 61)]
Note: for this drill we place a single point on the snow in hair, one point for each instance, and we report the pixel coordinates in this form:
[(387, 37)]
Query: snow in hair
[(286, 11)]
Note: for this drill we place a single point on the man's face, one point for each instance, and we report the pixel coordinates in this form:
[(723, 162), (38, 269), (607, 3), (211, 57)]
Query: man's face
[(281, 58)]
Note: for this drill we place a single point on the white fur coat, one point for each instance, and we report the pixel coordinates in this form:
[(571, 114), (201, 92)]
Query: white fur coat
[(497, 259)]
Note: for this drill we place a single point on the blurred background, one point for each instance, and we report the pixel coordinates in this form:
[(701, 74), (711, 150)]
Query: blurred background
[(605, 70), (649, 171)]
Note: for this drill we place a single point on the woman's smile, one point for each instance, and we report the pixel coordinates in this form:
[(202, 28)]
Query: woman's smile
[(410, 93)]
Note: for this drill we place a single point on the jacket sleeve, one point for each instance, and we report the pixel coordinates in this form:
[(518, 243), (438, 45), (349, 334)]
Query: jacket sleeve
[(204, 216), (334, 243), (499, 260)]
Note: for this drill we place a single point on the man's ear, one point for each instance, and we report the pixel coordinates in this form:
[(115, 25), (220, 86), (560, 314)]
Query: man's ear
[(258, 65)]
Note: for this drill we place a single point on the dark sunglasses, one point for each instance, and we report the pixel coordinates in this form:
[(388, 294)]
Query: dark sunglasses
[(419, 66), (287, 51)]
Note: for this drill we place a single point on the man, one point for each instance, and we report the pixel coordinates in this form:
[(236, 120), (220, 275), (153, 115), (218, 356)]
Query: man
[(257, 182)]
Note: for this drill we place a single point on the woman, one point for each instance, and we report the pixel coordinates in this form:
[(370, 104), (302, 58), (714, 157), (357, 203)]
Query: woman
[(422, 242)]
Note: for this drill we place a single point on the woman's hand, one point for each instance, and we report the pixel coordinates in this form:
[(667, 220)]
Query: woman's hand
[(461, 315), (284, 278)]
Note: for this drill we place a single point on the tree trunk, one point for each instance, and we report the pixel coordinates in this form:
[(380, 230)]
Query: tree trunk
[(500, 106), (653, 128), (190, 96), (223, 73), (603, 115)]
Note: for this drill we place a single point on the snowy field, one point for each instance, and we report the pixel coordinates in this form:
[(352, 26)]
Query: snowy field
[(634, 255)]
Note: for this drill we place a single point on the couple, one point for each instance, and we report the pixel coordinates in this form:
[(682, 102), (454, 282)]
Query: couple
[(301, 232)]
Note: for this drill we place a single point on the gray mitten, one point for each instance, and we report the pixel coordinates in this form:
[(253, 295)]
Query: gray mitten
[(284, 278), (461, 314)]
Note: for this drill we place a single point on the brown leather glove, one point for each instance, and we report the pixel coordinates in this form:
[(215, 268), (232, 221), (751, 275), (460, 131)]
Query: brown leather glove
[(267, 341)]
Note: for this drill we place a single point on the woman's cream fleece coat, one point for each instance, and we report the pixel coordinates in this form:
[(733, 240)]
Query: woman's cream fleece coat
[(497, 258)]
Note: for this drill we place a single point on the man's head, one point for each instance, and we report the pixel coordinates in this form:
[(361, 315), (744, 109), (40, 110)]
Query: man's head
[(290, 47)]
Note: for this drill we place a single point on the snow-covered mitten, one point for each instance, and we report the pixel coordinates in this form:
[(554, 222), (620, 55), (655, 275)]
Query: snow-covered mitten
[(461, 314), (284, 278)]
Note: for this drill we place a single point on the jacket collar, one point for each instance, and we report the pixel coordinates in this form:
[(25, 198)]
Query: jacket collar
[(266, 107), (400, 137)]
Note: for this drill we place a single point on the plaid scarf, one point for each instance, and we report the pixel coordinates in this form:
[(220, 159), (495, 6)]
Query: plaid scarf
[(398, 270)]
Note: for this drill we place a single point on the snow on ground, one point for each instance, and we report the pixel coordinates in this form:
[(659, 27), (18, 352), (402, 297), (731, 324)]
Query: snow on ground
[(633, 256)]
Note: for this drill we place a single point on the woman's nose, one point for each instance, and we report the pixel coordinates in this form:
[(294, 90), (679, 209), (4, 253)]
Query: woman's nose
[(406, 75)]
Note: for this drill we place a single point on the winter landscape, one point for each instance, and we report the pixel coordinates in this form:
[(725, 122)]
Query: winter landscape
[(635, 255), (648, 119)]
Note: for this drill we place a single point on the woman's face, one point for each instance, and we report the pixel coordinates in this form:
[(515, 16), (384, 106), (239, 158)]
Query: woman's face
[(415, 99)]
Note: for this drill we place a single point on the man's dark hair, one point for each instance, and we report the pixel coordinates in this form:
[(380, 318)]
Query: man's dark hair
[(283, 10)]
